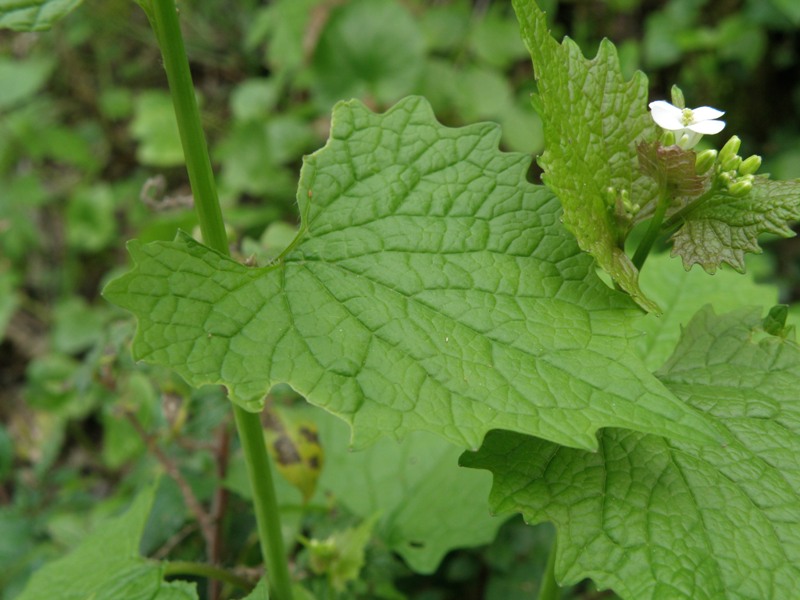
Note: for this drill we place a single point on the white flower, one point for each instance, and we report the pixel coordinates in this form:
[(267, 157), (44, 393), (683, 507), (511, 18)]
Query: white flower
[(689, 124)]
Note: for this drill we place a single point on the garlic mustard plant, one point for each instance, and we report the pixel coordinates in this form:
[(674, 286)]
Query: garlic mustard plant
[(688, 125), (432, 289)]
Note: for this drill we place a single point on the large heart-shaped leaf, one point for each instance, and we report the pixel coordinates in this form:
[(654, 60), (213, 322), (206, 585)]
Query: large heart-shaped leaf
[(653, 518), (431, 287)]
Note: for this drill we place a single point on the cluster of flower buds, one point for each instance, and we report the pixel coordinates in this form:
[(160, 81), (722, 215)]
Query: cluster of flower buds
[(731, 171), (622, 200)]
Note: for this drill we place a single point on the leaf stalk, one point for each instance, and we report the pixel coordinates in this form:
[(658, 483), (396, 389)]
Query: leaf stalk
[(549, 589), (651, 235), (174, 568)]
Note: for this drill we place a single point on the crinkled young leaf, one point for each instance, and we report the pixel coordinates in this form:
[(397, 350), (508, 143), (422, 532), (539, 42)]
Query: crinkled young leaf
[(593, 119), (673, 169), (431, 287), (653, 518), (107, 565), (34, 15), (723, 228)]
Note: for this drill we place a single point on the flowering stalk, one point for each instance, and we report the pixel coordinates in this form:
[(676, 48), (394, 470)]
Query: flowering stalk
[(684, 127), (651, 235)]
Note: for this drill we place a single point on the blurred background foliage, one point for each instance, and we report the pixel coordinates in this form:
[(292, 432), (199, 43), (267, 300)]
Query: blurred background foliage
[(90, 157)]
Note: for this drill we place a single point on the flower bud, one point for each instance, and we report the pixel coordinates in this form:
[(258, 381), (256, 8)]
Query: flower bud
[(704, 161), (732, 163), (677, 97), (729, 150), (740, 188), (750, 165), (668, 138), (726, 178)]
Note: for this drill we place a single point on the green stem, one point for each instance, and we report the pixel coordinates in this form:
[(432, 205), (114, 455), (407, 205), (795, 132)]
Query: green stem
[(549, 589), (198, 163), (164, 17), (174, 568), (652, 232), (681, 215), (268, 520)]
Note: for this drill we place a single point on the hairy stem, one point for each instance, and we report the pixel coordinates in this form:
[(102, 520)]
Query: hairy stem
[(651, 235), (164, 17)]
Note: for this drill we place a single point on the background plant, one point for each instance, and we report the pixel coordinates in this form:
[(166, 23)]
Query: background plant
[(71, 381)]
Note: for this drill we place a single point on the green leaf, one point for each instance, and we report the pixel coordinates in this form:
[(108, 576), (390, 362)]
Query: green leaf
[(775, 322), (494, 39), (423, 501), (34, 15), (653, 518), (341, 556), (721, 228), (155, 129), (369, 48), (682, 293), (672, 168), (107, 565), (9, 299), (91, 218), (260, 592), (789, 9), (593, 119), (21, 78), (431, 288), (286, 25)]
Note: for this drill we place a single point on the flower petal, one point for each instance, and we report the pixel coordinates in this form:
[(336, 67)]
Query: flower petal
[(706, 113), (707, 127), (666, 115)]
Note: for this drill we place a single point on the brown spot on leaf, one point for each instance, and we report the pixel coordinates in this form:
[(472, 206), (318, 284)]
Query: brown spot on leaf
[(285, 451), (309, 434)]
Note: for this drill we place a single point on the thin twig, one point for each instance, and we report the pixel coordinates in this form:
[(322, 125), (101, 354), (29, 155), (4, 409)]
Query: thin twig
[(194, 505), (176, 539), (219, 503)]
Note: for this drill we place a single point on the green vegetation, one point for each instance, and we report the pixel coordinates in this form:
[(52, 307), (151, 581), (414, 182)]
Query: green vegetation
[(365, 274)]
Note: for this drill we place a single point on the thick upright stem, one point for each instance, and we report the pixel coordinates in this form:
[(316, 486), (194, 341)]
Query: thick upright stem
[(164, 17), (259, 472), (195, 150)]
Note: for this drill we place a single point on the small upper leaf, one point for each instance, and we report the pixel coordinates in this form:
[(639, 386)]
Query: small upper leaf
[(722, 228), (431, 287), (34, 15), (653, 518), (593, 119), (672, 168)]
